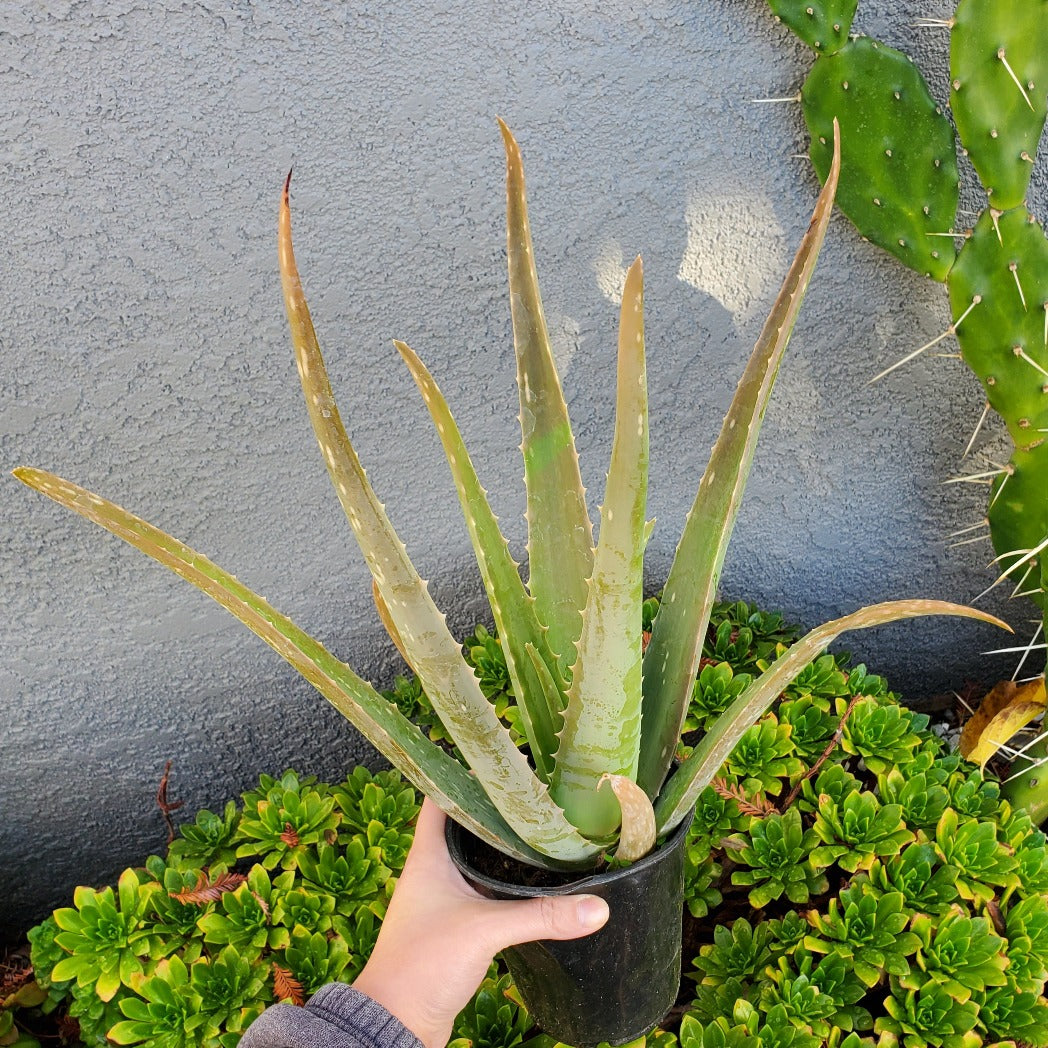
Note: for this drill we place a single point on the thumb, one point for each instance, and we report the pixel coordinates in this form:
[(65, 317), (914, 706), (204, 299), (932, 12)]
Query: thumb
[(548, 917)]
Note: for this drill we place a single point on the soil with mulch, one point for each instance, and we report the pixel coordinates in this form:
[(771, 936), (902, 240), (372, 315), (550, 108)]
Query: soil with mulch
[(16, 974)]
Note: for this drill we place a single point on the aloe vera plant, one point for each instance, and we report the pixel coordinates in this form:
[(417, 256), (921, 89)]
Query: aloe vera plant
[(601, 716)]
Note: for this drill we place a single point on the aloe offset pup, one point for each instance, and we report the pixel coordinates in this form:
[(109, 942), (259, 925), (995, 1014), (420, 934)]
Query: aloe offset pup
[(601, 716)]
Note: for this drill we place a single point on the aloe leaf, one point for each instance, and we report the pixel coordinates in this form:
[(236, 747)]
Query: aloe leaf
[(672, 658), (551, 689), (705, 761), (433, 652), (511, 604), (387, 621), (426, 765), (637, 836), (560, 535), (602, 722)]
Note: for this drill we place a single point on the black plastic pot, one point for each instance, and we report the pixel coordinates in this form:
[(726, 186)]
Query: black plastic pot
[(616, 984)]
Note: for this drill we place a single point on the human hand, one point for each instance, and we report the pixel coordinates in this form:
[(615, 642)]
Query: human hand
[(439, 936)]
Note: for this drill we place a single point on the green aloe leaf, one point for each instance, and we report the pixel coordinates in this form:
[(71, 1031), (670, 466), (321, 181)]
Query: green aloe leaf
[(551, 689), (672, 658), (696, 773), (434, 654), (560, 535), (425, 765), (387, 621), (511, 604), (601, 733)]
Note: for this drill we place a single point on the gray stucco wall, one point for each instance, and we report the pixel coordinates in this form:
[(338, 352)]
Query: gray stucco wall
[(144, 354)]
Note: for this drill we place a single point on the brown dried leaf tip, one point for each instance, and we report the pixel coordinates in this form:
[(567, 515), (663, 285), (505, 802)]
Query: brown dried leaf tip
[(289, 836), (15, 972), (993, 911), (759, 806), (205, 892), (287, 987), (69, 1030)]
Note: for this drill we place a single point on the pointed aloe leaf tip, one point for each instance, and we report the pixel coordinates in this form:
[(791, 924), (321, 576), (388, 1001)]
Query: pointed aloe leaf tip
[(602, 723), (681, 792), (672, 658), (560, 533)]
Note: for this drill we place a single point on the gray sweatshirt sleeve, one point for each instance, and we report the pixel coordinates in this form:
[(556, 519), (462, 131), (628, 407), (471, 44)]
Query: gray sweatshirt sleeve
[(337, 1016)]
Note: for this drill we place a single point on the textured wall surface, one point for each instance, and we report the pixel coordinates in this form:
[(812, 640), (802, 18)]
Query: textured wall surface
[(144, 354)]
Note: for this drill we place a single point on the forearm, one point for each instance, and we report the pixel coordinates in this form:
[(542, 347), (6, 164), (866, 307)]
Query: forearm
[(336, 1017)]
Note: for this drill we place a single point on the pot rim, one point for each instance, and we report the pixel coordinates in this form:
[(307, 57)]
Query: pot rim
[(453, 831)]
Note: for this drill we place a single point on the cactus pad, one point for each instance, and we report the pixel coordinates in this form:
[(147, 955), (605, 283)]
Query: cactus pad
[(999, 301), (821, 24), (999, 74), (1019, 523), (899, 165), (1004, 337)]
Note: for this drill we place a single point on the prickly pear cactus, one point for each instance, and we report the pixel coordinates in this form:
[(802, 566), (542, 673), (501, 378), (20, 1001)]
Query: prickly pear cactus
[(898, 161), (821, 24), (899, 186), (1029, 791), (1018, 518), (999, 73), (999, 287)]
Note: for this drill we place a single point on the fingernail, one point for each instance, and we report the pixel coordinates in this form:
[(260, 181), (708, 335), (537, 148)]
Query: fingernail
[(592, 912)]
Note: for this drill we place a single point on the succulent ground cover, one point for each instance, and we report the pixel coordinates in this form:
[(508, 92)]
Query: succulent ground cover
[(850, 882)]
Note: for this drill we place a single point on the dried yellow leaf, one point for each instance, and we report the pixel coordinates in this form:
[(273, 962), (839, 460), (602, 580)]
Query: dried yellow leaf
[(1005, 710), (637, 832)]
